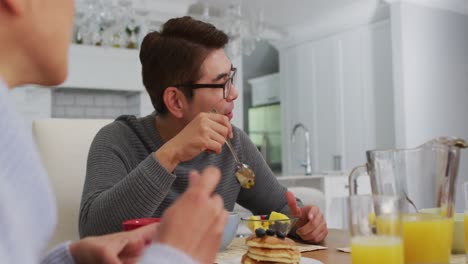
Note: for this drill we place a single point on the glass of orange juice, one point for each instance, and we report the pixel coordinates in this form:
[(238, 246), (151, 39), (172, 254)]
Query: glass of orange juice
[(427, 238), (375, 227)]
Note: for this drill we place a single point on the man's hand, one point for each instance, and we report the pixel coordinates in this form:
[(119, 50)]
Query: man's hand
[(206, 132), (195, 222), (312, 225), (123, 247)]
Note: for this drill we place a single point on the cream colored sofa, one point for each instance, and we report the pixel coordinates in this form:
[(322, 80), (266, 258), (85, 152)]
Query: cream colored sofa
[(63, 145)]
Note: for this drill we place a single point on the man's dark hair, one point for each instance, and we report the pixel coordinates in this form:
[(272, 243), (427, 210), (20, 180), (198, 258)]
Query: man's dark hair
[(175, 55)]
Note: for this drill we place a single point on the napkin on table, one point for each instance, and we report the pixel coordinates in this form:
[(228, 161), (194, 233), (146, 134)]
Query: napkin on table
[(344, 249), (458, 259)]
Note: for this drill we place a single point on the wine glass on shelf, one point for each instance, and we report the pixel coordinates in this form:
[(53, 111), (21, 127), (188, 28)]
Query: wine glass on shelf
[(85, 9), (141, 17), (128, 23)]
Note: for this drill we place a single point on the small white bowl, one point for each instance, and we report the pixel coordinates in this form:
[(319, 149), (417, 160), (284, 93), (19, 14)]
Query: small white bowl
[(230, 230)]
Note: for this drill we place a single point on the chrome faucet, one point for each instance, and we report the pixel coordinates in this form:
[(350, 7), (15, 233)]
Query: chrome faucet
[(306, 163)]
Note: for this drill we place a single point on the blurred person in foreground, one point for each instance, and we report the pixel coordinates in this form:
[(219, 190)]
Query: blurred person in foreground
[(34, 43), (145, 161)]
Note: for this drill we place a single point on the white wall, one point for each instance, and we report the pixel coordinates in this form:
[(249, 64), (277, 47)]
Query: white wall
[(430, 54), (32, 102)]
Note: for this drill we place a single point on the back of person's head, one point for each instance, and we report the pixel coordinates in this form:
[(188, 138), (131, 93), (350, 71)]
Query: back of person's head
[(175, 54)]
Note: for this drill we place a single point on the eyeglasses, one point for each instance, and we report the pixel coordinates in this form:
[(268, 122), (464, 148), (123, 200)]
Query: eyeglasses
[(226, 86)]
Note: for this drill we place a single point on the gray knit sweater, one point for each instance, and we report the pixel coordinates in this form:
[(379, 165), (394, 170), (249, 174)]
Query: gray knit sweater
[(125, 181)]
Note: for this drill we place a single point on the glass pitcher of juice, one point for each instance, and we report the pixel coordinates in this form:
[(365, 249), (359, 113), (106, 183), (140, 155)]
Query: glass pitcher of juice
[(424, 178)]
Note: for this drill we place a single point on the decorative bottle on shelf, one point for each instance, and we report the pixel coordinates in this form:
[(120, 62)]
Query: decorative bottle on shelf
[(132, 42)]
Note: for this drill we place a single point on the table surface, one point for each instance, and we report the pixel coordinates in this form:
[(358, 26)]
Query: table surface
[(336, 239), (340, 238)]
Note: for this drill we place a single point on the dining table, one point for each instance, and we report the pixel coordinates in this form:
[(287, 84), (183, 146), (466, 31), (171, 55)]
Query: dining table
[(336, 238)]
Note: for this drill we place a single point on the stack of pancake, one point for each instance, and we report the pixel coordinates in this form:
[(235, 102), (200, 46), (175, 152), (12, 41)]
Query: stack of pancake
[(270, 249)]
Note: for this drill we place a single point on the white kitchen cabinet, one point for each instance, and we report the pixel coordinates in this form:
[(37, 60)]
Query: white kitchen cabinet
[(354, 120), (265, 89), (296, 104), (309, 97), (341, 88), (327, 140), (378, 41), (366, 89), (92, 67)]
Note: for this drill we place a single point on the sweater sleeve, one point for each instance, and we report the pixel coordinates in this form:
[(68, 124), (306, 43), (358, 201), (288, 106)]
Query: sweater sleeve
[(59, 255), (267, 194), (112, 192), (156, 253), (163, 254)]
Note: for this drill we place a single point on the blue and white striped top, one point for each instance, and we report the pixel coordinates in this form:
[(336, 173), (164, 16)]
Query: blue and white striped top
[(27, 206)]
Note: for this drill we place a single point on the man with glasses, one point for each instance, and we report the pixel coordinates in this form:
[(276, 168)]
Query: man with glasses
[(226, 86), (137, 167)]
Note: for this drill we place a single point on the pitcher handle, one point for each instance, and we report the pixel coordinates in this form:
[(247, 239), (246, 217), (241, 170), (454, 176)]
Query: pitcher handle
[(353, 176)]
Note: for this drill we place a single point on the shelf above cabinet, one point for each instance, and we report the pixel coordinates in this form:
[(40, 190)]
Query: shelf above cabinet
[(104, 68)]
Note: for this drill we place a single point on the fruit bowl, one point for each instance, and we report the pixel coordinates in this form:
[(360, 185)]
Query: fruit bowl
[(273, 224)]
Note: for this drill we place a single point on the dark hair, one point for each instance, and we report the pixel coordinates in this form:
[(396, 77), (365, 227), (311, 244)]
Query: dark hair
[(175, 54)]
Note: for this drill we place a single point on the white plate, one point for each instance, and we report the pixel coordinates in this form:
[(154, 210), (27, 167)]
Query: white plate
[(303, 261)]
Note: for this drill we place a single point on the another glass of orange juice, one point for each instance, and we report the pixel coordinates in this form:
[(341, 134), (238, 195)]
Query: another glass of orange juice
[(465, 189), (427, 238), (375, 228)]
